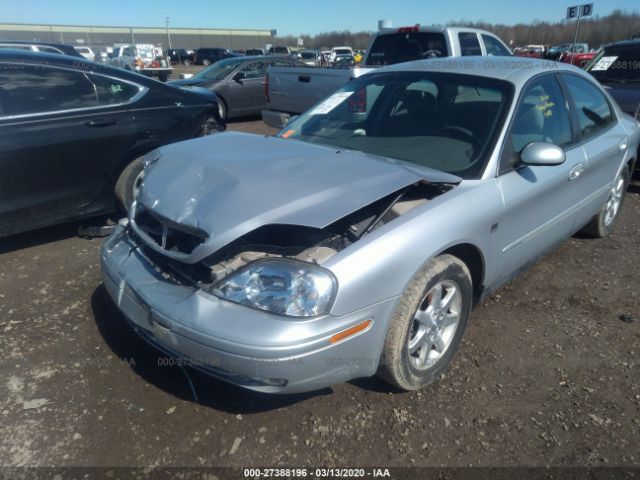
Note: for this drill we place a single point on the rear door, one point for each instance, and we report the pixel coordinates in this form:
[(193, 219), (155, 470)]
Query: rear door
[(56, 145), (604, 142), (539, 201)]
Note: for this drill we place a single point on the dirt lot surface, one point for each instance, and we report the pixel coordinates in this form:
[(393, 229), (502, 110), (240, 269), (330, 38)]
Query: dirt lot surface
[(547, 375)]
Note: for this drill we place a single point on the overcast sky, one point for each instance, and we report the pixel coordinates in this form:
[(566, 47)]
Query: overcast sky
[(290, 17)]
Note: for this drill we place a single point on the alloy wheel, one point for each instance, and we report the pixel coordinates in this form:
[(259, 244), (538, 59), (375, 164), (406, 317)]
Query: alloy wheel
[(614, 200), (434, 324)]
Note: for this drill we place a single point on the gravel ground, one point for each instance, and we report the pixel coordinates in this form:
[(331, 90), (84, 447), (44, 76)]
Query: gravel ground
[(547, 375)]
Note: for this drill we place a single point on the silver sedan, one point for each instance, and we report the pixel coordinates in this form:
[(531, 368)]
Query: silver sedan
[(357, 240)]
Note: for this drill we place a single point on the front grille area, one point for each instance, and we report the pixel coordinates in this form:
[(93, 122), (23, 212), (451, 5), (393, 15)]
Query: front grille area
[(169, 235)]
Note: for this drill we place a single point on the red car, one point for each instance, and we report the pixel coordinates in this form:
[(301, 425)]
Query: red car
[(579, 59)]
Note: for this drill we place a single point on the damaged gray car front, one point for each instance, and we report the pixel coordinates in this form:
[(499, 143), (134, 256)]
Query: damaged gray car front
[(357, 240)]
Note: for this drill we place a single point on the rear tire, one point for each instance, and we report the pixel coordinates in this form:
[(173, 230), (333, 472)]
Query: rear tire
[(603, 223), (127, 185), (206, 62), (427, 327)]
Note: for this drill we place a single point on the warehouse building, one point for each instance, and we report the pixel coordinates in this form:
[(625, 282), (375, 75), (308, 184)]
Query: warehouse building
[(100, 36)]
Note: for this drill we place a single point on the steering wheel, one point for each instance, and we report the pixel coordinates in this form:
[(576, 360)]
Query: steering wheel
[(462, 134), (431, 54)]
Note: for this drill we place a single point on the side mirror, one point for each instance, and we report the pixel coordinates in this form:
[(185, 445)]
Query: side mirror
[(542, 153), (240, 76)]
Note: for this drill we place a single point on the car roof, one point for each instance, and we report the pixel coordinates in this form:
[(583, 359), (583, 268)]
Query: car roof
[(67, 61), (624, 43), (69, 49), (514, 69)]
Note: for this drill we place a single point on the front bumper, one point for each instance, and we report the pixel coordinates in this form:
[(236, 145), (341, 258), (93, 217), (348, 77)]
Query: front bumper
[(247, 347)]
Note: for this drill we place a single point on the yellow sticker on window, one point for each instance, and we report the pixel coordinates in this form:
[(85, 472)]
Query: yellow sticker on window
[(545, 105)]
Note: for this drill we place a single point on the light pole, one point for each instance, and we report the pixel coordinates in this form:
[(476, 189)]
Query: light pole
[(168, 34)]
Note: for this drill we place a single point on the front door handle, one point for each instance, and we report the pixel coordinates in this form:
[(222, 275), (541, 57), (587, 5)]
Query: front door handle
[(101, 122), (576, 171)]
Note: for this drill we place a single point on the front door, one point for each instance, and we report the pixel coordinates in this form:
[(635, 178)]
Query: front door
[(539, 201)]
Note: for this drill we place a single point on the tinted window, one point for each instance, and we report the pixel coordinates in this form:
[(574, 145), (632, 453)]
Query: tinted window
[(111, 91), (593, 110), (542, 116), (403, 47), (617, 63), (494, 47), (469, 44), (41, 89)]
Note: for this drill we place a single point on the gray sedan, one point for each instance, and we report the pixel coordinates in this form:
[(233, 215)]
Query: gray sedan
[(239, 83), (357, 240)]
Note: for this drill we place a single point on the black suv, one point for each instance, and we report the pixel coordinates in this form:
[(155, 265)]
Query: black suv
[(207, 56), (617, 67), (180, 55)]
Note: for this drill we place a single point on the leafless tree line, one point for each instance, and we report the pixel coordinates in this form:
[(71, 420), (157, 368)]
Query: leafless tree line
[(595, 31)]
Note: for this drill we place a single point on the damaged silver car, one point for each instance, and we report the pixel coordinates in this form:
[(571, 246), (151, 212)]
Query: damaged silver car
[(357, 240)]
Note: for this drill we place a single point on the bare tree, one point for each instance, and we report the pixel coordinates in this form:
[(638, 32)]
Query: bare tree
[(596, 31)]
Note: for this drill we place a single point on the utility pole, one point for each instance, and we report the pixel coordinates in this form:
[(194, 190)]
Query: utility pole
[(168, 34)]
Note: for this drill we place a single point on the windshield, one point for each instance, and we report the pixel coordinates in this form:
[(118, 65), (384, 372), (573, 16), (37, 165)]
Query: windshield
[(403, 47), (308, 55), (439, 120), (617, 63), (342, 51), (219, 70)]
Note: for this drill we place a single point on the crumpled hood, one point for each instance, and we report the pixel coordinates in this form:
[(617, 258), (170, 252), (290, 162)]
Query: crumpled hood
[(231, 183)]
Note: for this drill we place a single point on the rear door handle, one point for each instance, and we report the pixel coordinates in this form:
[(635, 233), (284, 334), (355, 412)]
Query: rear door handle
[(576, 171), (622, 146), (101, 122)]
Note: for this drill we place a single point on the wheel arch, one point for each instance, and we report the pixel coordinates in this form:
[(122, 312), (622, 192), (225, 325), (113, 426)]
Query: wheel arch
[(473, 258)]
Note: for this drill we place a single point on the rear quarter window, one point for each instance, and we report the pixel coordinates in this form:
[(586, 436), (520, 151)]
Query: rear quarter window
[(112, 91)]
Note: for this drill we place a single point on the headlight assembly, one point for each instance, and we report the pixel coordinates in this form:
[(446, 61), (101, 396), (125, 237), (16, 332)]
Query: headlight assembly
[(282, 286)]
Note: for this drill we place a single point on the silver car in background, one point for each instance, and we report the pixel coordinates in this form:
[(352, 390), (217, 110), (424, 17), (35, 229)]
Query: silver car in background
[(357, 240)]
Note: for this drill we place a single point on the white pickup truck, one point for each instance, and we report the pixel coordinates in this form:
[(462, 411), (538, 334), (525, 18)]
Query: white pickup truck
[(293, 90), (141, 58)]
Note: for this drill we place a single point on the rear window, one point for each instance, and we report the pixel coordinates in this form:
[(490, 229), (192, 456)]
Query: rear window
[(399, 47), (617, 63)]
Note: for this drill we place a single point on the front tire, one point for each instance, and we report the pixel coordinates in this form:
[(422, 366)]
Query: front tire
[(428, 324), (222, 109), (128, 183), (206, 62), (603, 223)]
